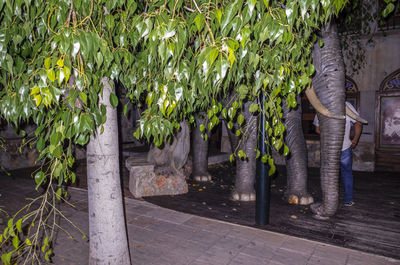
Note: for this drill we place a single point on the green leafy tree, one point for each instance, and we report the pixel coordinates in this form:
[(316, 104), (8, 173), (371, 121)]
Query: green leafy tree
[(175, 58)]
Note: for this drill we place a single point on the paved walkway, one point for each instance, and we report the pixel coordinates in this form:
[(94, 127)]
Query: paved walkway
[(161, 236)]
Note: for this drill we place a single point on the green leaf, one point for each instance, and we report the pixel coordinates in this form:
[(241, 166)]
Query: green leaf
[(240, 119), (6, 258), (242, 154), (253, 107), (125, 110), (15, 242), (199, 21), (40, 144), (86, 123), (51, 75), (388, 9), (218, 15), (271, 170), (58, 193), (67, 73), (47, 63), (47, 255), (113, 100), (110, 22), (224, 113), (212, 55), (55, 138), (28, 242), (10, 223), (60, 62), (285, 150), (264, 159), (321, 42), (18, 225), (83, 96), (57, 151)]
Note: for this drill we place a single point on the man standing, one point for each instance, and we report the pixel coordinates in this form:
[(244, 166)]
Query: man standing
[(346, 158)]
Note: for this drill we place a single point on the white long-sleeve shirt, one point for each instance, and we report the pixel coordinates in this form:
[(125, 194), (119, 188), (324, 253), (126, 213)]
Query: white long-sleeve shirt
[(346, 140)]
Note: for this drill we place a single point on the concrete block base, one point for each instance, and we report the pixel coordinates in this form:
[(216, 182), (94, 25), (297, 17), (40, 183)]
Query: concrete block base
[(143, 181)]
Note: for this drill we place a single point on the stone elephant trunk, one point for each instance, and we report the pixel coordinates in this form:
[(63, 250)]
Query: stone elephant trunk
[(329, 86)]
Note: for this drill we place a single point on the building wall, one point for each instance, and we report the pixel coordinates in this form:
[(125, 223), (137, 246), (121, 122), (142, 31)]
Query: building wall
[(382, 57)]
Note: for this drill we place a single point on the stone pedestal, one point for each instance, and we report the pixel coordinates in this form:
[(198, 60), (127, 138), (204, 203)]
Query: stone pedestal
[(143, 181)]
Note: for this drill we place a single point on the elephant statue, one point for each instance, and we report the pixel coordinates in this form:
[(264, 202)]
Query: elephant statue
[(172, 157)]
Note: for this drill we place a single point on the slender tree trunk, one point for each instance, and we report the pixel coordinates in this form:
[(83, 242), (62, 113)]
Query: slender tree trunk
[(107, 229)]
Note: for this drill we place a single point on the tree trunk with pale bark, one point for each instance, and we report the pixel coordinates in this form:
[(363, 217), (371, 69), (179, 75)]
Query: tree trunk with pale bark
[(107, 228)]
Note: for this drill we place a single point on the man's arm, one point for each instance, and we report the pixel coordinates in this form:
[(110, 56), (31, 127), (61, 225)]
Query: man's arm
[(357, 133), (317, 129)]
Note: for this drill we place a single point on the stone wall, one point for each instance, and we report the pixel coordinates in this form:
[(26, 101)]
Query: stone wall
[(363, 156)]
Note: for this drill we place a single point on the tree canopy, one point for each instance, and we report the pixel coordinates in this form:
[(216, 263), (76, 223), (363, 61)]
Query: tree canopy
[(175, 59)]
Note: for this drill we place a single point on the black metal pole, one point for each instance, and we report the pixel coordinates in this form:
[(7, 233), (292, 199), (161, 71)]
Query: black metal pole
[(263, 180)]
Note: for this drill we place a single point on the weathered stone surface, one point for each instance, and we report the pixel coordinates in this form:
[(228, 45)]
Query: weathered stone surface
[(143, 181), (172, 157), (15, 155), (363, 156)]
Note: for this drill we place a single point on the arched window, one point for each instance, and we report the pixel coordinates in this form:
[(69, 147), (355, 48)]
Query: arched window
[(352, 93)]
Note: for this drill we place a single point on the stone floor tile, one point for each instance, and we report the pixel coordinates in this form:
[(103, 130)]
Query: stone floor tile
[(258, 248), (168, 215), (142, 221), (298, 245), (243, 259), (199, 262), (331, 253), (213, 226), (161, 226), (286, 257), (216, 256), (243, 232), (272, 240), (233, 244), (314, 260)]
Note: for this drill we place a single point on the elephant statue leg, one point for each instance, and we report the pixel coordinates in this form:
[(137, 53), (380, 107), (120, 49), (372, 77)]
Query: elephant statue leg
[(296, 161), (246, 168), (200, 153), (329, 83)]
